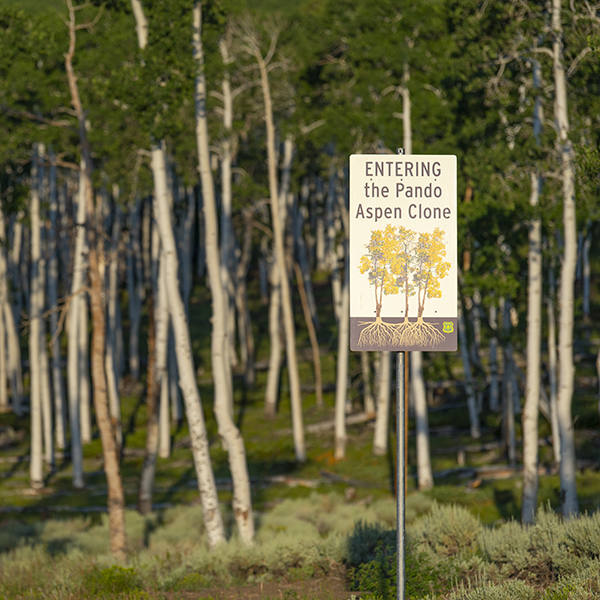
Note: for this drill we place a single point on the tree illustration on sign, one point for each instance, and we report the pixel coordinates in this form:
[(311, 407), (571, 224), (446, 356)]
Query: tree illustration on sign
[(401, 260), (381, 251)]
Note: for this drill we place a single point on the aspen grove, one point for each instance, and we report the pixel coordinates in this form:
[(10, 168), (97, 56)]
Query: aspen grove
[(154, 152)]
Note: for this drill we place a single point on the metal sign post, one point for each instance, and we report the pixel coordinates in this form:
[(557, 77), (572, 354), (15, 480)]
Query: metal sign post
[(400, 472)]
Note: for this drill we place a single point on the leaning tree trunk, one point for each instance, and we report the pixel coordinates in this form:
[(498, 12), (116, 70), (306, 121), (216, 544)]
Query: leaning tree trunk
[(279, 247), (185, 361), (232, 438), (568, 493), (112, 470)]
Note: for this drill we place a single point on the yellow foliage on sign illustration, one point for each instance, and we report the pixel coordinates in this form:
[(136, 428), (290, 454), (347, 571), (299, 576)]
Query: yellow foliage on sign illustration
[(401, 260)]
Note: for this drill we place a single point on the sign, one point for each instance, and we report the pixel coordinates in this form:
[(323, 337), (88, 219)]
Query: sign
[(403, 252)]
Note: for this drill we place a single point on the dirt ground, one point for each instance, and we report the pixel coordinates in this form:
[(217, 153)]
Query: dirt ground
[(333, 587)]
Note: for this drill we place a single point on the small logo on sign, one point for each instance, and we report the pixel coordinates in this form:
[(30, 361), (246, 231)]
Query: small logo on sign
[(448, 327)]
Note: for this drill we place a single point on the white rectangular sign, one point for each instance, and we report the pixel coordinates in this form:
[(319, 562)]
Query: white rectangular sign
[(403, 252)]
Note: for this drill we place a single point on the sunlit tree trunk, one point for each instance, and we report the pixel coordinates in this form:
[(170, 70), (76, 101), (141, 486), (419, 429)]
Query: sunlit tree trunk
[(279, 247), (534, 341), (568, 493), (275, 343), (185, 362), (116, 497), (230, 434), (36, 468)]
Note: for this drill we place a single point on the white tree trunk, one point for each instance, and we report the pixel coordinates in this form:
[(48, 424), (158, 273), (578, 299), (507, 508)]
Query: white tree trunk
[(343, 355), (73, 350), (275, 344), (220, 303), (570, 505), (424, 471), (508, 388), (279, 246), (36, 469), (185, 361), (384, 375), (534, 343)]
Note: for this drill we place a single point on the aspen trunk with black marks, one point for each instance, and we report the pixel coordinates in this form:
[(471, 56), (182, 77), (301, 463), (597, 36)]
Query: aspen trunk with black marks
[(568, 487), (552, 365), (534, 336), (220, 304), (534, 343), (116, 496), (73, 349), (185, 361)]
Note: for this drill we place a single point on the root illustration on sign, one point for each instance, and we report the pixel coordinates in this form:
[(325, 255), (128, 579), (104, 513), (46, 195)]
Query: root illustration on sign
[(400, 260)]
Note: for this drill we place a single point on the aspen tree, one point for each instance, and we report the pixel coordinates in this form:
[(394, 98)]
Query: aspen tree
[(116, 497), (534, 338), (232, 438), (570, 505), (253, 48)]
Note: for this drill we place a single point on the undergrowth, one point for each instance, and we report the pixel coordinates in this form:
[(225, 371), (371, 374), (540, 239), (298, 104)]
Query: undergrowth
[(450, 554)]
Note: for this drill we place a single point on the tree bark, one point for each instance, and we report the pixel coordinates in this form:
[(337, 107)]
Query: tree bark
[(36, 468), (116, 497), (73, 350), (279, 246), (220, 304), (568, 488), (185, 361), (534, 342)]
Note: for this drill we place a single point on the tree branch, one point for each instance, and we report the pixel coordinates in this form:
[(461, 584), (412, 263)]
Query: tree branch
[(25, 114)]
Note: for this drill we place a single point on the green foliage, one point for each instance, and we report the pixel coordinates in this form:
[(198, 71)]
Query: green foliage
[(113, 581), (510, 590), (448, 530)]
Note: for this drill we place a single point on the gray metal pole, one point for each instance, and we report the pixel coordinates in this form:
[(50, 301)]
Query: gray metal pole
[(400, 473)]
